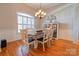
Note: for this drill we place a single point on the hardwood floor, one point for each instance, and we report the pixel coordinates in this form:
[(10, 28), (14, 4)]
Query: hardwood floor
[(58, 48), (77, 48)]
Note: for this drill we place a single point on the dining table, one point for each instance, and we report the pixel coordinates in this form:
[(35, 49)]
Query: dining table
[(36, 37)]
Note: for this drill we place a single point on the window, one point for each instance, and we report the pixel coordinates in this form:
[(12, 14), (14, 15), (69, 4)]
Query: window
[(25, 21)]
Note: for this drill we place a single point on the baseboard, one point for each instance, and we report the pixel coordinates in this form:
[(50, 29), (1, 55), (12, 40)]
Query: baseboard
[(13, 40), (66, 39)]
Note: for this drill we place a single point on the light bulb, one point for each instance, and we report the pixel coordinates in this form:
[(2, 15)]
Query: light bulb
[(35, 14), (44, 13), (39, 11)]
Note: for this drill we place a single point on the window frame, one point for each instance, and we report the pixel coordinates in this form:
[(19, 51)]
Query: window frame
[(31, 24)]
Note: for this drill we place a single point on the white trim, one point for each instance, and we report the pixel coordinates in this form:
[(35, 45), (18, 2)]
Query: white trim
[(24, 14)]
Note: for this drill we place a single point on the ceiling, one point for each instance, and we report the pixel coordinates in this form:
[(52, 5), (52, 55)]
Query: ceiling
[(47, 7)]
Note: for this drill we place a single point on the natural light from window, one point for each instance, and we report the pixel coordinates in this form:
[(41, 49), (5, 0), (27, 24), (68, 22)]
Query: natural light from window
[(25, 21)]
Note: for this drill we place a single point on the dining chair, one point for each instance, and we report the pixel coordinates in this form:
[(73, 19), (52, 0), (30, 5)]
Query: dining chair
[(44, 39), (27, 39), (51, 35)]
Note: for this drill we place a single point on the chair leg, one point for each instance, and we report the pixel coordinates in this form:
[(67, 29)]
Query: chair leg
[(49, 42), (43, 47), (35, 44)]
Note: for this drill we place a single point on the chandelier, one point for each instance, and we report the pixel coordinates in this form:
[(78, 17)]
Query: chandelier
[(40, 13)]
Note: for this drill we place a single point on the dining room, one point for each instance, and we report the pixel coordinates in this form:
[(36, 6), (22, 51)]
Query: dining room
[(39, 29)]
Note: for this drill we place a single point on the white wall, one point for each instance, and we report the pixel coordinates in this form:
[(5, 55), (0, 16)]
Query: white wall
[(76, 24), (66, 17), (8, 20)]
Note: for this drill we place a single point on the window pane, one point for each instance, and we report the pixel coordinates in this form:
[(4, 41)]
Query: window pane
[(32, 20), (32, 26), (19, 19), (29, 26), (29, 21), (19, 26), (24, 20), (25, 26)]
